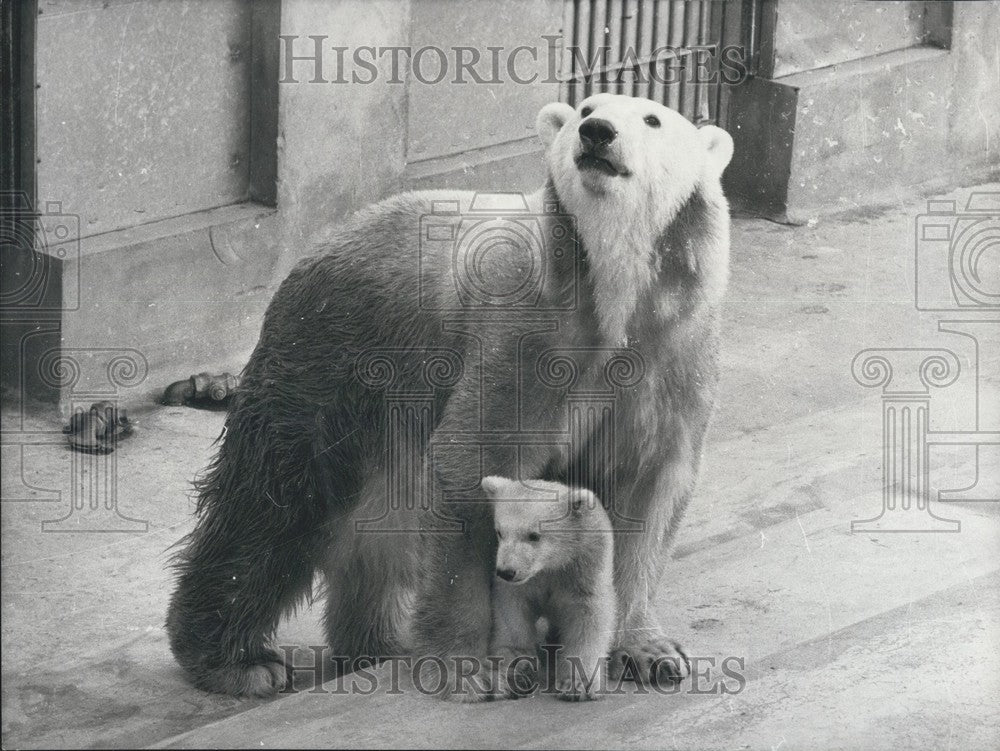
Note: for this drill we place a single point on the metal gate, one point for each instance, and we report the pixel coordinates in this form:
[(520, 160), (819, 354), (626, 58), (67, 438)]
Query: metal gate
[(665, 50)]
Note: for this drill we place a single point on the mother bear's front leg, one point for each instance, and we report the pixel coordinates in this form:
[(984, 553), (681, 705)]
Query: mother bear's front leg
[(452, 617), (642, 649)]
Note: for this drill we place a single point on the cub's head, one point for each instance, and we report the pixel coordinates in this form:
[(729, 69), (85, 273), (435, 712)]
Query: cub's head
[(539, 527), (634, 153)]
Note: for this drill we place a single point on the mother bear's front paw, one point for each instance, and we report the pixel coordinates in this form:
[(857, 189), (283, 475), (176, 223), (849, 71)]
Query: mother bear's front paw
[(654, 660)]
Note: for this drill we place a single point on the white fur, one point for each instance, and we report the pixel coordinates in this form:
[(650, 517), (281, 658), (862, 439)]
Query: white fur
[(620, 218), (559, 543)]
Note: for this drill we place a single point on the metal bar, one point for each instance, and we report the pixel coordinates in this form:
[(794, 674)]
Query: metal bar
[(637, 44), (731, 35), (648, 30), (678, 28), (750, 32), (584, 22), (676, 34), (613, 33), (598, 10), (719, 32), (571, 40), (661, 38), (627, 45), (701, 87), (687, 86)]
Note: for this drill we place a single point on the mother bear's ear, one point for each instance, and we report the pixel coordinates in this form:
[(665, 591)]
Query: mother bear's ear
[(718, 147), (550, 120), (581, 500), (491, 485)]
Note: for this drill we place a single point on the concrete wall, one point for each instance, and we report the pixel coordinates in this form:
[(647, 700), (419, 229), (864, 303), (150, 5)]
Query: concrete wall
[(340, 146), (812, 34), (141, 108), (186, 291), (974, 111), (866, 129), (345, 145)]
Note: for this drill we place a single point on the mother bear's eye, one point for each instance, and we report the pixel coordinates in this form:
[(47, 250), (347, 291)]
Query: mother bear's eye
[(652, 121), (534, 537), (499, 535), (585, 112)]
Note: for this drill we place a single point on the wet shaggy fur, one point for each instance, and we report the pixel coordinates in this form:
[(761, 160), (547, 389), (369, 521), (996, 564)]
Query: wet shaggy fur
[(375, 318)]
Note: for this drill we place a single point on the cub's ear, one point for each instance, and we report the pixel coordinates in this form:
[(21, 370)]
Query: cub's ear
[(550, 120), (718, 146), (491, 485), (581, 500)]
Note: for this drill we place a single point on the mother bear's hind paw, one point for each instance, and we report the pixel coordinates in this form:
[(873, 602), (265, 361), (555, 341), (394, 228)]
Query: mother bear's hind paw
[(262, 679)]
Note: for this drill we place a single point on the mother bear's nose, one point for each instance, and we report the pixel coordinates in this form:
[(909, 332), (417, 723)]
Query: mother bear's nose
[(595, 133)]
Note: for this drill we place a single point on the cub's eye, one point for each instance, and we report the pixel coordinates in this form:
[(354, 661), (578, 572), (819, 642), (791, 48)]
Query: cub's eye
[(585, 112), (534, 537), (652, 121)]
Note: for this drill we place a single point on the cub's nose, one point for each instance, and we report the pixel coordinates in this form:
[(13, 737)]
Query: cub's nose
[(507, 574), (596, 134)]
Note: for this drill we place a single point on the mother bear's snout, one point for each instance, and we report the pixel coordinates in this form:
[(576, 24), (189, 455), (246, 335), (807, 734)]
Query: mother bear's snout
[(596, 134)]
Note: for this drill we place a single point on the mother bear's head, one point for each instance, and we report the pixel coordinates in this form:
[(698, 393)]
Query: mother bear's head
[(644, 186)]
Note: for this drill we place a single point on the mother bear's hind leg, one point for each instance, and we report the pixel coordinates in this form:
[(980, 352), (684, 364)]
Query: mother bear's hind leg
[(248, 561)]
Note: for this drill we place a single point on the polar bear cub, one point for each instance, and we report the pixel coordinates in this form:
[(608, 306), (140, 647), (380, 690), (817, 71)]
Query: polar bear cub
[(555, 552)]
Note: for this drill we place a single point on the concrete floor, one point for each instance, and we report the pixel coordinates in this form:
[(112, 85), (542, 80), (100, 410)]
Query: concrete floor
[(863, 640)]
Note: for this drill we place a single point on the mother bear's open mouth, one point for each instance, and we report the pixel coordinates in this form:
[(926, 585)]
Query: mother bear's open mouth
[(588, 161)]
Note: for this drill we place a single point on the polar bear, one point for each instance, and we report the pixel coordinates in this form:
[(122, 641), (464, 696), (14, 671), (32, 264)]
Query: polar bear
[(554, 561), (439, 337)]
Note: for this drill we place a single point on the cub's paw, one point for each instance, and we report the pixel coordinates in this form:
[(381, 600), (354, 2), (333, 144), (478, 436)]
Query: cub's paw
[(261, 679), (654, 660), (575, 689)]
